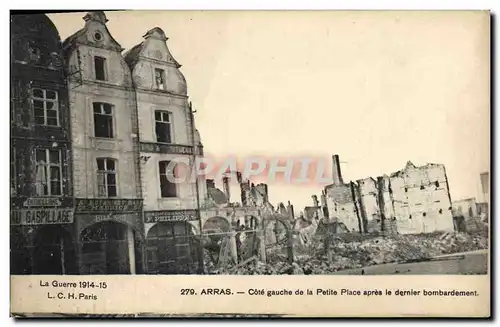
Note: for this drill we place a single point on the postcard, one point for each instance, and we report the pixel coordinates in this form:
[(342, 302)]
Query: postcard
[(250, 163)]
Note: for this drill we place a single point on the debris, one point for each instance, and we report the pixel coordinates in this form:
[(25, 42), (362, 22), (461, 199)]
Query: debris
[(351, 251)]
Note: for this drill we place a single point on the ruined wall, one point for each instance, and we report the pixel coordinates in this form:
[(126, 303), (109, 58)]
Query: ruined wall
[(341, 206), (386, 205), (421, 199), (368, 203), (466, 207)]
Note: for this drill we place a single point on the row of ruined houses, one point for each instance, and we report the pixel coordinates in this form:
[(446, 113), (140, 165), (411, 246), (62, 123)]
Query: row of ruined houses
[(409, 201)]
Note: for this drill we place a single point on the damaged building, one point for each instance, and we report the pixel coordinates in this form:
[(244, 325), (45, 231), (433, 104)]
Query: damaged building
[(168, 146), (41, 206), (108, 211), (411, 201)]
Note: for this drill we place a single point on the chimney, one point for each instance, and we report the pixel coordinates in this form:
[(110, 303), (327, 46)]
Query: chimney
[(210, 183), (290, 210), (336, 173), (315, 200), (225, 185)]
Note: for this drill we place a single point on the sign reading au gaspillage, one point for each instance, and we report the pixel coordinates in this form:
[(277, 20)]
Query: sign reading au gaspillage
[(171, 215), (41, 216)]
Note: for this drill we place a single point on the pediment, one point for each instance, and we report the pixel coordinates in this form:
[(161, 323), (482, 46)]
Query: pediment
[(155, 48), (94, 34)]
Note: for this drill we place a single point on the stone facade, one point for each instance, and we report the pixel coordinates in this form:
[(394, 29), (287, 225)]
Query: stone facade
[(413, 200), (105, 151), (169, 144), (422, 200), (41, 215)]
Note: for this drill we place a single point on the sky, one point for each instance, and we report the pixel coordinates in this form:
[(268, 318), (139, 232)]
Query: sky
[(378, 89)]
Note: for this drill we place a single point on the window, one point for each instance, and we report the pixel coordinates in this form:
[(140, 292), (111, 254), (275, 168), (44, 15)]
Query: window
[(106, 177), (100, 68), (103, 120), (46, 108), (171, 249), (168, 187), (48, 172), (163, 126), (160, 79), (97, 36)]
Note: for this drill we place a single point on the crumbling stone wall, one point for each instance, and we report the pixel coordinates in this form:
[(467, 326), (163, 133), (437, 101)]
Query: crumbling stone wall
[(342, 207)]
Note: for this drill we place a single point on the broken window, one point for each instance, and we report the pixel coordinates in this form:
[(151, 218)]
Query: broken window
[(103, 120), (100, 68), (422, 187), (48, 172), (406, 189), (106, 177), (171, 249), (160, 79), (436, 183), (410, 216), (440, 210), (424, 214), (167, 184), (163, 126), (46, 107)]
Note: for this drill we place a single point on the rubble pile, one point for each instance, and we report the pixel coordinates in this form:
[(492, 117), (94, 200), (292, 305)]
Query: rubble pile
[(350, 251)]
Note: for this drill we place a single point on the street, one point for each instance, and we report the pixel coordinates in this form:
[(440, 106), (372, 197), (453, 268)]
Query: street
[(473, 262)]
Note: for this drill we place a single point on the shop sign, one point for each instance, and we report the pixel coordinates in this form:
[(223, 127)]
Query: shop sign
[(22, 202), (167, 148), (85, 220), (42, 202), (108, 205), (41, 216), (126, 218), (170, 215)]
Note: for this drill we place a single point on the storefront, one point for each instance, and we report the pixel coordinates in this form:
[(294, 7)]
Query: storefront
[(171, 244), (110, 236), (42, 238)]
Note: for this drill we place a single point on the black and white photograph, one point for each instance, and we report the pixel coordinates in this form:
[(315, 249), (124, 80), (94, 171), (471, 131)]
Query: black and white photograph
[(109, 173), (249, 143)]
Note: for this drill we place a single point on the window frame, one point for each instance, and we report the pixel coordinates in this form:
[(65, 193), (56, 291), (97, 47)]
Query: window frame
[(46, 100), (105, 173), (163, 77), (48, 165), (104, 68), (160, 174), (103, 113), (169, 122)]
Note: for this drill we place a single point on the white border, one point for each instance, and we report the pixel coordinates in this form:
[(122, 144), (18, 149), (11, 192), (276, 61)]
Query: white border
[(493, 5)]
